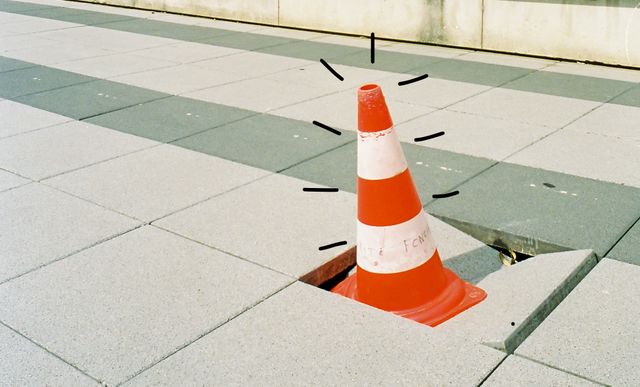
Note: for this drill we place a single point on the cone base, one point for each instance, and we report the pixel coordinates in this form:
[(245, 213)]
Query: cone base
[(457, 297)]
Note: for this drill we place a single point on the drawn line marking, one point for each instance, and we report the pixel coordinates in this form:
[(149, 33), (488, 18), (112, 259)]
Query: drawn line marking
[(334, 72), (326, 127), (412, 80), (373, 47), (320, 189), (445, 195), (332, 245), (429, 137)]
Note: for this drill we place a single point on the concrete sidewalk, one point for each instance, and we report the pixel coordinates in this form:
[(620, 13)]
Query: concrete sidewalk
[(154, 230)]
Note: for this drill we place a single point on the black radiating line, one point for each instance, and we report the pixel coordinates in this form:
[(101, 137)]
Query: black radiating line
[(373, 47), (320, 189), (416, 79), (325, 127), (334, 72), (445, 195), (429, 137), (332, 245)]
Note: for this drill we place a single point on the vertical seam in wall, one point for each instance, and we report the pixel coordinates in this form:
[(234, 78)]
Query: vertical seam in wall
[(279, 12), (481, 26)]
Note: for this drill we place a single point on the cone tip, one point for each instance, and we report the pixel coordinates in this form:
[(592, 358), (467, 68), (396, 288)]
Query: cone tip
[(373, 114)]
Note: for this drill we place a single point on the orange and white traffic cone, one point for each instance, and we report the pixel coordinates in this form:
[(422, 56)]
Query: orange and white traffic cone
[(399, 269)]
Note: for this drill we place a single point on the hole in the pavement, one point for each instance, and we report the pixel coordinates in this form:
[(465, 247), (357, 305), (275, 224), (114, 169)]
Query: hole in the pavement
[(549, 185), (508, 256)]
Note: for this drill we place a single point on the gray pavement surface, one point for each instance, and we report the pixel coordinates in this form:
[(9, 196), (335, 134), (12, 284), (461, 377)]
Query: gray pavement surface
[(153, 227)]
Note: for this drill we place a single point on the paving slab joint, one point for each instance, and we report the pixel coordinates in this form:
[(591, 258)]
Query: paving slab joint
[(560, 369)]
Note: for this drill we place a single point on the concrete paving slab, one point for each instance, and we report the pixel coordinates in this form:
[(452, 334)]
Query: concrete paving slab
[(339, 110), (470, 134), (259, 94), (352, 41), (259, 141), (397, 62), (56, 52), (39, 225), (305, 334), (147, 290), (248, 41), (9, 64), (310, 219), (61, 148), (611, 120), (603, 347), (26, 364), (109, 66), (187, 52), (629, 98), (527, 107), (165, 29), (291, 33), (590, 155), (543, 207), (16, 6), (519, 298), (90, 98), (153, 183), (19, 41), (434, 171), (178, 79), (31, 25), (507, 60), (318, 75), (87, 17), (311, 50), (628, 248), (18, 118), (246, 64), (36, 79), (589, 70), (170, 118), (472, 72), (9, 180), (227, 25), (429, 92), (570, 86), (522, 372)]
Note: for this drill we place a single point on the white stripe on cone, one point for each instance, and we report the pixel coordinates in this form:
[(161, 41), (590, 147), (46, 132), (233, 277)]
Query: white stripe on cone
[(380, 155), (397, 248)]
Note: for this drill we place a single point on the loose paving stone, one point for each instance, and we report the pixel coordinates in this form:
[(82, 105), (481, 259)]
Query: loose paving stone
[(109, 66), (90, 99), (169, 119), (9, 180), (590, 155), (153, 183), (519, 298), (36, 79), (434, 171), (61, 148), (470, 134), (544, 207), (39, 225), (594, 332), (339, 110), (9, 64), (310, 220), (527, 107), (628, 248), (26, 364), (570, 86), (304, 333), (523, 372), (147, 290), (18, 118), (471, 72), (259, 94), (266, 142)]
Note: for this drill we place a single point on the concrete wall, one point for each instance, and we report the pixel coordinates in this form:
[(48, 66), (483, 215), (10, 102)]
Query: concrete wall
[(606, 31)]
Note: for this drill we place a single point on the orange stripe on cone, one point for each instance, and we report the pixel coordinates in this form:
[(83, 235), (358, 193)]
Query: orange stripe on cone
[(399, 268)]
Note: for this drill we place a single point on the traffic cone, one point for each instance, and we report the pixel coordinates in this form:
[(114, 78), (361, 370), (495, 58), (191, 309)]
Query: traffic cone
[(399, 269)]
